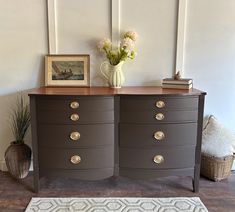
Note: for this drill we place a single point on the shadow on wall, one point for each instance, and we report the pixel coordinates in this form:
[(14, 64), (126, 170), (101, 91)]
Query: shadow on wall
[(7, 103), (153, 83), (95, 76)]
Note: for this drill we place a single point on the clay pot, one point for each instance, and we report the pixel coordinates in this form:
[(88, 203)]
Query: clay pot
[(18, 159)]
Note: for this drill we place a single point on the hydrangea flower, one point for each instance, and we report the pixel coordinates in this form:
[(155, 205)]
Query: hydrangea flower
[(123, 52), (104, 44), (132, 35), (128, 44)]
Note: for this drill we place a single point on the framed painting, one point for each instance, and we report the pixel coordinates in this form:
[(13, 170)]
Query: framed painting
[(67, 70)]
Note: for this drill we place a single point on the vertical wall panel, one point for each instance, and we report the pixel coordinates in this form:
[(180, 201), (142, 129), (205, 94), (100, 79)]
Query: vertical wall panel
[(156, 22), (80, 24)]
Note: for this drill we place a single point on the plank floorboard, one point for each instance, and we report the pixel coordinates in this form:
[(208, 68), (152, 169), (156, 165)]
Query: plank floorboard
[(217, 196)]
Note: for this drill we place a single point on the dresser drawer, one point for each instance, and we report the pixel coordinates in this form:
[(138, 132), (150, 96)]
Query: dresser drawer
[(59, 136), (137, 135), (176, 157), (140, 103), (89, 158), (65, 117), (81, 174), (158, 117), (64, 103)]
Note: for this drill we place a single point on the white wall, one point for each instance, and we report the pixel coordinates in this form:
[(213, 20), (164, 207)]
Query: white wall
[(78, 32), (209, 49), (23, 42), (156, 24), (210, 55), (80, 25)]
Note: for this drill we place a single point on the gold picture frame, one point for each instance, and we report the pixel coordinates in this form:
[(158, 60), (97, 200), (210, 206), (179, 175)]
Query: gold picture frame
[(67, 70)]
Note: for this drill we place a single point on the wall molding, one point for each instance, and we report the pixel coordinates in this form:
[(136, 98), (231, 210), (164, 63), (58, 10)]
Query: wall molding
[(180, 41), (3, 166), (115, 29), (115, 22), (52, 26)]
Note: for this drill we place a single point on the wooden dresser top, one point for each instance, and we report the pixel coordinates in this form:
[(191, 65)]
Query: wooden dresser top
[(106, 91)]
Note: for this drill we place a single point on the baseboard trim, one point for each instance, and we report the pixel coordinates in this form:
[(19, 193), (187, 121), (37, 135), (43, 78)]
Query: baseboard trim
[(31, 166), (3, 166), (233, 167)]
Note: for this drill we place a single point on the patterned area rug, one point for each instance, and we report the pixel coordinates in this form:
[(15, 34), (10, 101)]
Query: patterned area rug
[(116, 204)]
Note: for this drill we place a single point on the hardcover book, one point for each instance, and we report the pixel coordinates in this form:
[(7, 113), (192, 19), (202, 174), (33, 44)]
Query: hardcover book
[(177, 86), (183, 81)]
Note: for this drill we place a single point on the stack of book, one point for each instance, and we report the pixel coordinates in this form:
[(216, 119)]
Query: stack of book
[(182, 83)]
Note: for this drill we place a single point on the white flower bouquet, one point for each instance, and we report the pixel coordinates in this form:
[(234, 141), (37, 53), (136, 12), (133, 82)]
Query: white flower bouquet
[(123, 52)]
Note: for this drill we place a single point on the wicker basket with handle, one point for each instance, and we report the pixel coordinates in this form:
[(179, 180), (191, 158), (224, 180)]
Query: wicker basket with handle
[(216, 168)]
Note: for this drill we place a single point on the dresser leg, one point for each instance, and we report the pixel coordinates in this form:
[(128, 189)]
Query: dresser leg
[(36, 181), (196, 178), (33, 113)]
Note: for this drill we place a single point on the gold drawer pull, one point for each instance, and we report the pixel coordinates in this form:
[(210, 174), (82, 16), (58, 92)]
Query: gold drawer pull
[(74, 105), (159, 116), (75, 136), (160, 104), (158, 159), (159, 135), (75, 159), (74, 117)]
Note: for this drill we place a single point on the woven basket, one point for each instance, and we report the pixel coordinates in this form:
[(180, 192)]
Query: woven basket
[(216, 168)]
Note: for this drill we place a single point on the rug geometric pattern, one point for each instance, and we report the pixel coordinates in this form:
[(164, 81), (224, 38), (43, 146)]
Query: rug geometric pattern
[(179, 204)]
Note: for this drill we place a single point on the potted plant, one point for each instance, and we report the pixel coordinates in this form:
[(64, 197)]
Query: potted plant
[(18, 154)]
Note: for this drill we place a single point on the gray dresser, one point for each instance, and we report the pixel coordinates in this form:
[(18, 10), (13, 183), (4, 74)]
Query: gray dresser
[(137, 132)]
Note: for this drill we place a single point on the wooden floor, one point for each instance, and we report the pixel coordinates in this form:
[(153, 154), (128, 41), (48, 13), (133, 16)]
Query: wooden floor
[(218, 197)]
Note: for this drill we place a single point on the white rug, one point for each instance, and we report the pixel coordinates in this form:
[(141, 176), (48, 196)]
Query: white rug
[(180, 204)]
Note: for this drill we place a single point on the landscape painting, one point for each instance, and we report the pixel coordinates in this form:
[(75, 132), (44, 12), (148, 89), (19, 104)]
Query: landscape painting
[(67, 70)]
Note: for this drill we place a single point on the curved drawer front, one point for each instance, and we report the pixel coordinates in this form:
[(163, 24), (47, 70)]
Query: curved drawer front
[(140, 103), (59, 136), (64, 117), (163, 117), (137, 135), (62, 103), (176, 157), (136, 173), (82, 174), (89, 158)]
